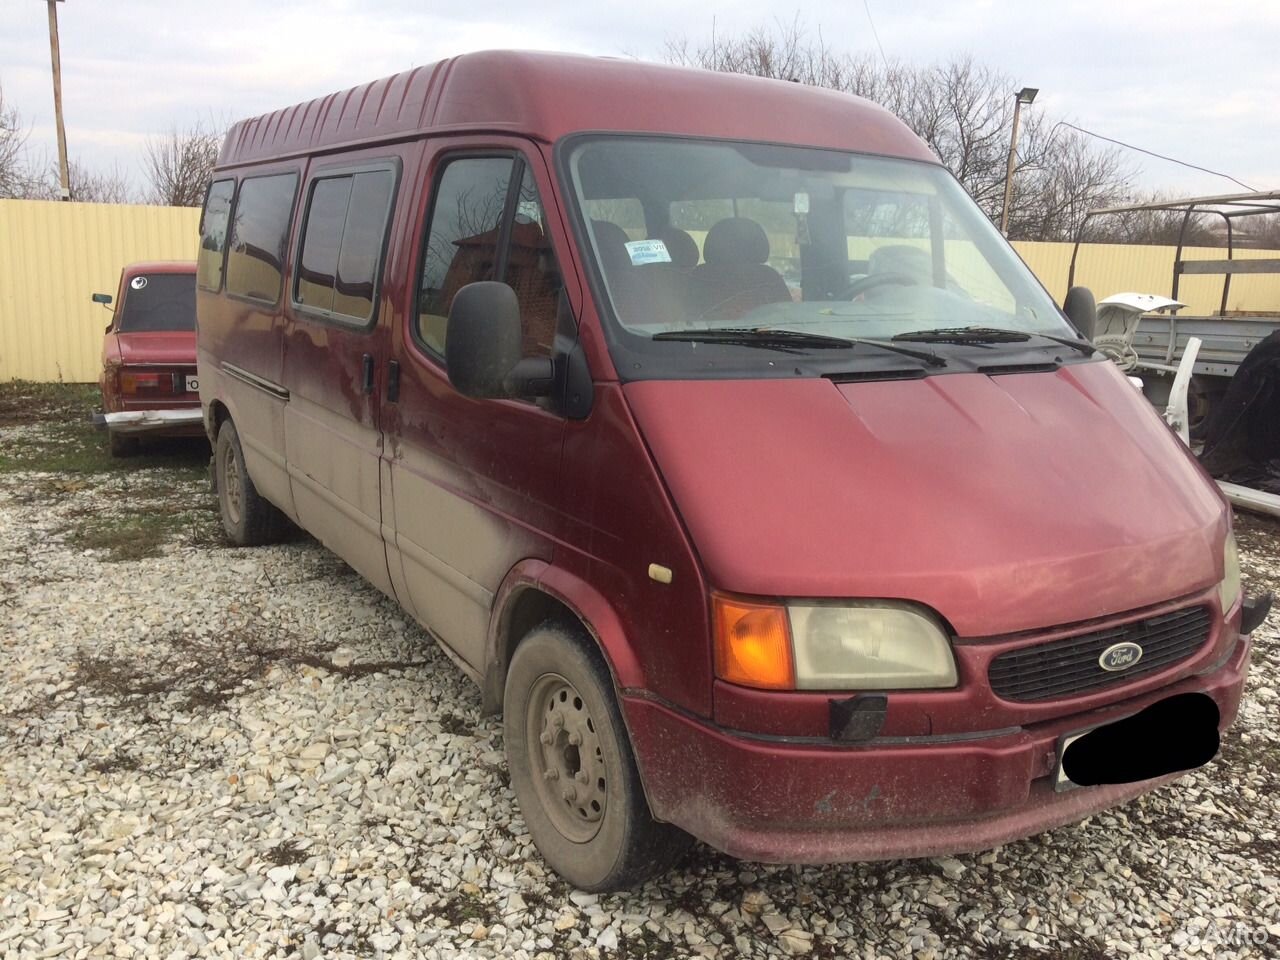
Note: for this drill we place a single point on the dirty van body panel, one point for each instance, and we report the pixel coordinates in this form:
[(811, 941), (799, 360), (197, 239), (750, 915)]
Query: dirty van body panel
[(474, 485), (333, 368), (241, 365), (332, 443), (621, 521), (1004, 503)]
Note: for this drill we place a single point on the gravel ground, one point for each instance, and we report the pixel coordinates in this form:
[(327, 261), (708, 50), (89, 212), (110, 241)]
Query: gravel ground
[(250, 753)]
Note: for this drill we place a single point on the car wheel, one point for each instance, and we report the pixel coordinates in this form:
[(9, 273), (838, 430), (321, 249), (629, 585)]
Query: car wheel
[(572, 768), (248, 518), (123, 445)]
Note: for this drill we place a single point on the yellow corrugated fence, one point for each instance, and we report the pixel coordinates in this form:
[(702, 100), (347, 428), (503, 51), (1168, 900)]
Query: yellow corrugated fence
[(55, 256)]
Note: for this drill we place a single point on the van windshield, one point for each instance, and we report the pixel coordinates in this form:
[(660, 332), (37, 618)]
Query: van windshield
[(159, 301), (711, 241)]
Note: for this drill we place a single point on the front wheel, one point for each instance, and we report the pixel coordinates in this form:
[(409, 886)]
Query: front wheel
[(248, 518), (572, 767)]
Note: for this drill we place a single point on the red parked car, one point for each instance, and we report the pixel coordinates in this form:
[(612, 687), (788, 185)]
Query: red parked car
[(715, 432), (149, 385)]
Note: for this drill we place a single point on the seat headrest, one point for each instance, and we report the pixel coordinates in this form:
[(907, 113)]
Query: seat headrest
[(611, 244), (902, 258), (681, 247), (736, 240)]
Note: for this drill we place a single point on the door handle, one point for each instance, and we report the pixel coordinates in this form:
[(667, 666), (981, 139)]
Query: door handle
[(366, 374), (393, 381)]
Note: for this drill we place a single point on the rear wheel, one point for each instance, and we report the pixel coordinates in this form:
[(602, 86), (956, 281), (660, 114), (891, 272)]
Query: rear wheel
[(122, 445), (572, 767), (248, 518)]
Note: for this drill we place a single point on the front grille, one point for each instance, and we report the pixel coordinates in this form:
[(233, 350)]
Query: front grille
[(1067, 667)]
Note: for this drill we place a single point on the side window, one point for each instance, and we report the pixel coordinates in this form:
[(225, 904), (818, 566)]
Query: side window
[(259, 230), (342, 243), (464, 245), (213, 233), (532, 271), (462, 241), (321, 242), (362, 240)]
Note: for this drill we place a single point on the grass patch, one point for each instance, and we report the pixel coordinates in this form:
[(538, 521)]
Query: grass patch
[(59, 436), (23, 402), (135, 533)]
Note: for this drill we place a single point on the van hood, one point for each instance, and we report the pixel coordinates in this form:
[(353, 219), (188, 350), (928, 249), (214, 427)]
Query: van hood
[(164, 346), (1005, 503)]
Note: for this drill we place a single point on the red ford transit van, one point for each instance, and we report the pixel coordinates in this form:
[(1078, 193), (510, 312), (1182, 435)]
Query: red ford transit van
[(715, 433)]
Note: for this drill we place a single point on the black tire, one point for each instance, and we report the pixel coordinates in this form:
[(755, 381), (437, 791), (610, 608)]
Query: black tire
[(604, 838), (123, 445), (248, 518)]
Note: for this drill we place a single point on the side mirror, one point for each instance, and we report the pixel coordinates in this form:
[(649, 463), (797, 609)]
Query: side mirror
[(102, 298), (1082, 311), (482, 346)]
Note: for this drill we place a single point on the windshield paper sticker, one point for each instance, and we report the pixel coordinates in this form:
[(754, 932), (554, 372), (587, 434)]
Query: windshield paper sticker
[(648, 251)]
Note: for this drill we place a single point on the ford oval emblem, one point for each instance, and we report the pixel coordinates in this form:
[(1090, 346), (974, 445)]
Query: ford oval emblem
[(1120, 656)]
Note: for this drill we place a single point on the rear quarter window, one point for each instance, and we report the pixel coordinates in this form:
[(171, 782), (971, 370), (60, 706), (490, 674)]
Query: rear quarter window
[(158, 301), (213, 234), (259, 231)]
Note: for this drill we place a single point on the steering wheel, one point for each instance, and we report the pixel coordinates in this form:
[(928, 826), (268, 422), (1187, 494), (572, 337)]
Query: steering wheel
[(873, 280)]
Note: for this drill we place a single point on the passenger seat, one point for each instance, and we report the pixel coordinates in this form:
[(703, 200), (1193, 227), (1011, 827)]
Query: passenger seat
[(650, 294), (736, 277)]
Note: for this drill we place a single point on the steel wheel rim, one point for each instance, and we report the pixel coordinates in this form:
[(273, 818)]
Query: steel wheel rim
[(566, 758), (231, 490)]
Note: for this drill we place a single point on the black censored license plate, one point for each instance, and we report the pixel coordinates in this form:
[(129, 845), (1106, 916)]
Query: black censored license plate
[(1175, 734)]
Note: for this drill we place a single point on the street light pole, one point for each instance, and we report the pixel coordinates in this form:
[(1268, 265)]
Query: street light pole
[(1026, 95), (56, 57)]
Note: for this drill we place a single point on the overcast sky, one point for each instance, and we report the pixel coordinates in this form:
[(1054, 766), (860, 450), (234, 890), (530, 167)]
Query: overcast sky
[(1192, 79)]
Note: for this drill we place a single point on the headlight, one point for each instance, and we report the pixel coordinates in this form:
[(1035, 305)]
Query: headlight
[(1229, 589), (871, 646), (857, 645)]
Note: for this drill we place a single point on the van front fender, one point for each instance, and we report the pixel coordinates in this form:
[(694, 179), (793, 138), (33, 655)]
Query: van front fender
[(558, 592)]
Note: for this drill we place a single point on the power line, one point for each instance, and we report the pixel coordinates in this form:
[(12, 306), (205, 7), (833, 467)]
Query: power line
[(1152, 153), (866, 5)]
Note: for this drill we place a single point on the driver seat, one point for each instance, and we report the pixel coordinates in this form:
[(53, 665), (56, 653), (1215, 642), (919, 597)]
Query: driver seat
[(736, 277)]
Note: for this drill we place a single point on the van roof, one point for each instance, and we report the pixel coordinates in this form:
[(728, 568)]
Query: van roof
[(547, 95)]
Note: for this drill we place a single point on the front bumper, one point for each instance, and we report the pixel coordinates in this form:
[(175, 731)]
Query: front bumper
[(777, 800), (180, 422)]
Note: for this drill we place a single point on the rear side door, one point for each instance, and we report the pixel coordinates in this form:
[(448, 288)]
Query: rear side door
[(336, 342), (474, 484)]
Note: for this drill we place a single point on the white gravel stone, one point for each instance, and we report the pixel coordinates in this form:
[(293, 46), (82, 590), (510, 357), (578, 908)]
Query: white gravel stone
[(188, 766)]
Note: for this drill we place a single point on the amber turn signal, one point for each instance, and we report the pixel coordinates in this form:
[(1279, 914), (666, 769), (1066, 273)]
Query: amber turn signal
[(753, 644)]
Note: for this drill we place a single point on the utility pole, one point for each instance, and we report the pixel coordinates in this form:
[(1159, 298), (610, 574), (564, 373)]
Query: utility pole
[(1026, 95), (56, 57)]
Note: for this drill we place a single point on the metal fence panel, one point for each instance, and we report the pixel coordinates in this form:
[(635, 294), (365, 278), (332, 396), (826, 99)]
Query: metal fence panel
[(53, 257)]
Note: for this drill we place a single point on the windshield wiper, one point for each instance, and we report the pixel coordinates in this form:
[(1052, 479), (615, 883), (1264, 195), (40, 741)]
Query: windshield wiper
[(772, 337), (984, 336)]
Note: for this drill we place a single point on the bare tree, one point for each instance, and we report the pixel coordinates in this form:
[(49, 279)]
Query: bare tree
[(87, 186), (180, 164), (962, 109), (17, 180)]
